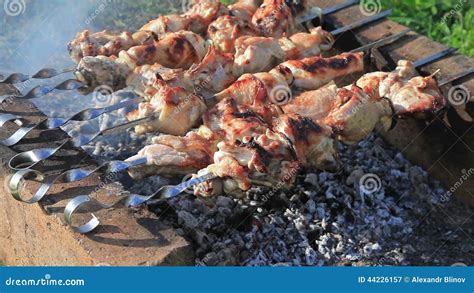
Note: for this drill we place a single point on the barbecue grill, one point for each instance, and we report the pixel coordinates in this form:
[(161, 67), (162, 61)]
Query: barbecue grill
[(77, 168)]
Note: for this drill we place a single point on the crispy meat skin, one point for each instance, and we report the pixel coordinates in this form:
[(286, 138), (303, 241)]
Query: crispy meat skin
[(177, 109), (174, 50), (250, 151), (354, 111), (274, 18), (215, 71), (314, 72), (226, 29), (175, 155), (201, 14)]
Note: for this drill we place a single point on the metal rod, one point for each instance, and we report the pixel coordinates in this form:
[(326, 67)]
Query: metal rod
[(361, 22), (54, 123), (42, 90), (28, 159), (41, 74), (131, 200), (338, 7), (382, 42), (456, 76), (73, 175), (328, 10), (434, 57)]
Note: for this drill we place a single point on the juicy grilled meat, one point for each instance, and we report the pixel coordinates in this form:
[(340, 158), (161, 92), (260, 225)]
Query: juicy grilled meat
[(175, 155), (280, 18), (354, 111), (104, 43), (173, 50), (226, 29), (314, 72), (177, 110), (407, 92)]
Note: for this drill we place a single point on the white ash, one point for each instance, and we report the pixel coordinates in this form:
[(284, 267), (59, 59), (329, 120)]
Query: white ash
[(324, 220)]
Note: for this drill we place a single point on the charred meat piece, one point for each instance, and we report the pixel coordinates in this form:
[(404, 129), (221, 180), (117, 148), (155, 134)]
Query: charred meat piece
[(173, 50), (226, 29), (244, 9), (176, 110), (107, 44), (314, 72), (175, 155)]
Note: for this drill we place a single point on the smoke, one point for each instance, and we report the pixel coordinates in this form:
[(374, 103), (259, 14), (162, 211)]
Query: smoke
[(37, 35)]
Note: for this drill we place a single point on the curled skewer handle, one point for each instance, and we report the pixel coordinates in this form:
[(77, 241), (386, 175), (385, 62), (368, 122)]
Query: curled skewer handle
[(41, 74), (16, 183), (4, 118), (21, 132), (29, 159), (128, 201), (73, 175), (53, 123), (42, 90)]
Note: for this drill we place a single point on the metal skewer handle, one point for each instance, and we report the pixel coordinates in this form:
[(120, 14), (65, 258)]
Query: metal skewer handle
[(42, 90), (29, 159), (74, 175), (131, 200), (54, 123), (41, 74)]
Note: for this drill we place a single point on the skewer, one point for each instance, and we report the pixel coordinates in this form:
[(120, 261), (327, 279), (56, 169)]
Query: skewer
[(54, 123), (131, 200), (33, 157), (29, 159), (361, 22), (73, 84), (92, 113), (41, 74), (42, 90), (45, 73), (456, 77), (330, 10), (69, 176)]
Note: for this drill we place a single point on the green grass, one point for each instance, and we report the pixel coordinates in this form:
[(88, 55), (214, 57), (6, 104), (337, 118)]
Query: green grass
[(450, 22)]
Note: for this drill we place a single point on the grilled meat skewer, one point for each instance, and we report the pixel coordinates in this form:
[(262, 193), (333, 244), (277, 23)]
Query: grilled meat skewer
[(183, 49), (306, 74), (351, 113), (355, 110), (105, 43), (203, 15)]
